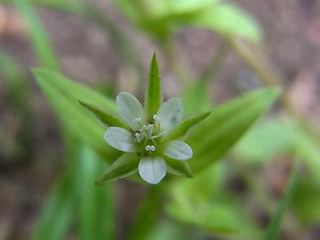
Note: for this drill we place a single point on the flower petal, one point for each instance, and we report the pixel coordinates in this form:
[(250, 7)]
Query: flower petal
[(152, 169), (178, 150), (120, 139), (170, 113), (129, 109)]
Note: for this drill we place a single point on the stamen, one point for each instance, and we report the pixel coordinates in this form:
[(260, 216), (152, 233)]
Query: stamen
[(138, 137), (150, 148), (138, 121), (156, 118), (164, 133)]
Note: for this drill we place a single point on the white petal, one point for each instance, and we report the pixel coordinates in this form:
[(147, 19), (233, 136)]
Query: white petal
[(120, 139), (170, 113), (152, 169), (178, 150), (129, 109)]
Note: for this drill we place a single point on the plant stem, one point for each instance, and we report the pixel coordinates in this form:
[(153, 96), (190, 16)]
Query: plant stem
[(147, 214), (216, 63), (180, 72), (274, 227)]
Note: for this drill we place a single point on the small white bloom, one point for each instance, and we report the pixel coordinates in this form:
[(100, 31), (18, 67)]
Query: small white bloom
[(147, 137)]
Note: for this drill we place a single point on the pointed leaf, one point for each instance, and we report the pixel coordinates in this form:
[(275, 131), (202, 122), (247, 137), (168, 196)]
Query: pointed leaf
[(179, 168), (95, 204), (63, 94), (226, 125), (38, 37), (104, 116), (226, 18), (196, 97), (153, 98), (125, 165), (186, 124)]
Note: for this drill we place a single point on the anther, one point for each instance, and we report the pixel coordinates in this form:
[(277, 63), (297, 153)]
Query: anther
[(138, 137), (156, 118), (150, 148)]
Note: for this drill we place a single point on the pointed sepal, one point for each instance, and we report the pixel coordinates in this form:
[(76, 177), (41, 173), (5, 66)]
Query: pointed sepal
[(186, 124), (179, 168), (153, 98), (124, 166), (104, 116)]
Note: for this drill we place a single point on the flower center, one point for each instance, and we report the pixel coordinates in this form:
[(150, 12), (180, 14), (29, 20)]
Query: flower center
[(148, 136)]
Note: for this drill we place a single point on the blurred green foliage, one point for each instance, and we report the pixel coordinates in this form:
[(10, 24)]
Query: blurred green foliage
[(205, 202)]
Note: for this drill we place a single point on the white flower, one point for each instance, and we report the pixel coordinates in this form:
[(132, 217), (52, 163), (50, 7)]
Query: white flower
[(147, 137)]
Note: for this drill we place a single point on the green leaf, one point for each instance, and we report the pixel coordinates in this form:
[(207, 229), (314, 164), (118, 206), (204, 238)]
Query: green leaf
[(179, 168), (95, 204), (39, 39), (278, 135), (267, 139), (196, 97), (104, 116), (124, 166), (187, 6), (147, 213), (153, 98), (305, 202), (186, 124), (207, 206), (226, 125), (227, 19), (63, 94)]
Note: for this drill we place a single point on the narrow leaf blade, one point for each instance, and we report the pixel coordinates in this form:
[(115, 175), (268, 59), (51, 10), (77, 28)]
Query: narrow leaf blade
[(226, 125), (96, 207), (196, 97), (153, 98), (226, 18), (124, 166), (39, 39), (63, 94), (104, 116), (186, 124), (179, 168)]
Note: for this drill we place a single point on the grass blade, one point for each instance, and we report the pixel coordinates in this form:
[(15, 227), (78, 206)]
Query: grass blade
[(39, 39), (95, 208), (274, 227)]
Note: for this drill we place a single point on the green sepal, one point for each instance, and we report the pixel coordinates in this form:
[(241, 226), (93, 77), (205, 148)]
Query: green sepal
[(179, 168), (124, 166), (104, 116), (186, 124), (153, 98)]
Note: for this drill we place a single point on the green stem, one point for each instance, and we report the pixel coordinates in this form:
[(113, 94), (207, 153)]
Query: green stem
[(147, 214), (180, 72), (274, 227), (216, 64)]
